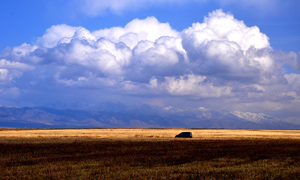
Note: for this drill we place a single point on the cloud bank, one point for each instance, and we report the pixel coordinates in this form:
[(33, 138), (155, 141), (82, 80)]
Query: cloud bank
[(220, 61)]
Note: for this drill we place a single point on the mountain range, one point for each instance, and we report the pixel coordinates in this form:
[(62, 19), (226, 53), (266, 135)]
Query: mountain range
[(118, 115)]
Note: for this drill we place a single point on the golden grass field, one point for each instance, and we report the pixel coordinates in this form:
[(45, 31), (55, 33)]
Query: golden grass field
[(10, 135), (149, 154)]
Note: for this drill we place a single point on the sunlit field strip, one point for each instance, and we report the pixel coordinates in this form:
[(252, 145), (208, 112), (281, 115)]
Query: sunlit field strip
[(155, 134)]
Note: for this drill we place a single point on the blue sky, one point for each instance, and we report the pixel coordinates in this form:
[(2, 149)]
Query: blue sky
[(238, 55), (23, 21)]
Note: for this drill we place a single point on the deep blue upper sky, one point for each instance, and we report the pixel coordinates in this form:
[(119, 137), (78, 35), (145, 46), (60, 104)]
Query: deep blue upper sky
[(23, 21)]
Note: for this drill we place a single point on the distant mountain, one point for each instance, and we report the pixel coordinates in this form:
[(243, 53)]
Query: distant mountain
[(265, 120), (118, 115)]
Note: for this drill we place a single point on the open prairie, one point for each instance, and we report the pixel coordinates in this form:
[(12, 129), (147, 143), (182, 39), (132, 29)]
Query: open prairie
[(149, 154), (65, 135)]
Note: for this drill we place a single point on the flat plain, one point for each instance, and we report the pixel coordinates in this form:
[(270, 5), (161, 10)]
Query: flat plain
[(149, 154)]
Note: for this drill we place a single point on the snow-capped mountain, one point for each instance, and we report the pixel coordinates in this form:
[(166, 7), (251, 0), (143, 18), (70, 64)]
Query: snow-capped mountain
[(118, 115), (255, 117), (266, 120)]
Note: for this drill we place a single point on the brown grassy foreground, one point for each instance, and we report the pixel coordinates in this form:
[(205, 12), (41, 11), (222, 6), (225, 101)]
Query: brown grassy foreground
[(149, 154)]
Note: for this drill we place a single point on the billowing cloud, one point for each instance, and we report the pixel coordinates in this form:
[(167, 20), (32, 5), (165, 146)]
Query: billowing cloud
[(11, 70), (224, 46), (195, 86), (220, 61), (149, 29)]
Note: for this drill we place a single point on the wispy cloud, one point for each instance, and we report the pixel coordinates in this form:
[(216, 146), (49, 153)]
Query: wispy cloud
[(100, 7)]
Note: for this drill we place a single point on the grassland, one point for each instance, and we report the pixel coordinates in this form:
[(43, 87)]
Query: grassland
[(149, 154)]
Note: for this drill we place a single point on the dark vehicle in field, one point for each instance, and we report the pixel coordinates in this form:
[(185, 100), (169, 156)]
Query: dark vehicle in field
[(184, 135)]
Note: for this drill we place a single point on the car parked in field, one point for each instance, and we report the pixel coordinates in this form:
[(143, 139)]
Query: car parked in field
[(184, 135)]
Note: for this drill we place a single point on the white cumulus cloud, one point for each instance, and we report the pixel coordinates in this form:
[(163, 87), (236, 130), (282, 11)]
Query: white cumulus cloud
[(137, 30), (195, 85), (220, 58), (223, 45)]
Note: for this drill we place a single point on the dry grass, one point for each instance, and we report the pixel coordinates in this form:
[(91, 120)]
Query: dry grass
[(43, 135), (149, 154)]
